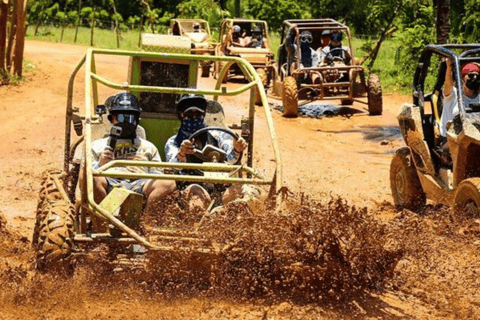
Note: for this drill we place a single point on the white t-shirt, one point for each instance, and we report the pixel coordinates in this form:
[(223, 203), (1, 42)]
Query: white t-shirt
[(450, 108), (140, 150)]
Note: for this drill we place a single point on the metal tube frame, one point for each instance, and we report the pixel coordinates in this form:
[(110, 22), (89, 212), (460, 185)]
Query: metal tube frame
[(91, 81)]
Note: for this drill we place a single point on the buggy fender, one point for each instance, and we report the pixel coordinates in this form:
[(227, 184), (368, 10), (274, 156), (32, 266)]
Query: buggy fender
[(410, 121)]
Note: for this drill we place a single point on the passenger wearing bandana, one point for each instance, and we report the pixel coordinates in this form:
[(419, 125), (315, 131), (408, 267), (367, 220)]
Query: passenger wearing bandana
[(191, 109)]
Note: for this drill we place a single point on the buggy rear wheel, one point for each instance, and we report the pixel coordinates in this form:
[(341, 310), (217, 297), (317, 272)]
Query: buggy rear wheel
[(406, 188), (466, 201), (205, 70), (375, 101), (263, 76), (290, 97), (55, 236)]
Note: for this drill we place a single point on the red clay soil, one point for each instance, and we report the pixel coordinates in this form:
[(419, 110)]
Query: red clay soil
[(329, 259)]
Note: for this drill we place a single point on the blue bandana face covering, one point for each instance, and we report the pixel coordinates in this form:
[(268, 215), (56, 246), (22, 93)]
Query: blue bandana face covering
[(189, 127)]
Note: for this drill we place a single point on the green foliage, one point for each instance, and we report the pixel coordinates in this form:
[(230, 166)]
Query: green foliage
[(414, 37), (275, 11), (202, 9)]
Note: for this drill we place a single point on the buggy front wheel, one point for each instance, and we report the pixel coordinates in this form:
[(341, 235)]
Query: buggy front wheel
[(405, 185), (466, 201), (375, 100)]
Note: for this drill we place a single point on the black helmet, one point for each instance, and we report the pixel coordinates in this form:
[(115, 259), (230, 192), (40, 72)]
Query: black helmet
[(188, 100), (127, 112), (124, 102)]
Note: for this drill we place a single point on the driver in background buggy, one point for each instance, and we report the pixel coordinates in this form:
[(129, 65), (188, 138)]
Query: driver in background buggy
[(257, 38), (335, 51), (191, 110)]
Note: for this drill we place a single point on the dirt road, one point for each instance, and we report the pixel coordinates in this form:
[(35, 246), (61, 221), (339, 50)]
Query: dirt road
[(344, 156)]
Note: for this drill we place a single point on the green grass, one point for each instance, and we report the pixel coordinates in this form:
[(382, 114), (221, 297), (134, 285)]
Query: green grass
[(392, 80), (102, 38)]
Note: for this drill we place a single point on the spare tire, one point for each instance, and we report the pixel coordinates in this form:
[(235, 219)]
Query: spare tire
[(290, 97), (375, 101)]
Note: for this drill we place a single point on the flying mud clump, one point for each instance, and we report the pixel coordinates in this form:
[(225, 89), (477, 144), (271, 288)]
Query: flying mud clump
[(313, 253)]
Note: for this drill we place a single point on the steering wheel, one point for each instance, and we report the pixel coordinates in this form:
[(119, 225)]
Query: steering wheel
[(329, 58), (211, 152)]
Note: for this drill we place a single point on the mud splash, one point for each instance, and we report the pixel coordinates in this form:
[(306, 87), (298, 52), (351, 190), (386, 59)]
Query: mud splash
[(317, 260)]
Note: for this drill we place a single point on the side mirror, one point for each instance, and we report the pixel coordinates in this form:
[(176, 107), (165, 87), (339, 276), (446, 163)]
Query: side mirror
[(100, 109)]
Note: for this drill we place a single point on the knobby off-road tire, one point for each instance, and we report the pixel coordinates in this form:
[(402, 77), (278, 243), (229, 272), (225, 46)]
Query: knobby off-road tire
[(48, 192), (263, 75), (219, 66), (466, 201), (375, 101), (205, 69), (290, 97), (55, 237), (406, 189)]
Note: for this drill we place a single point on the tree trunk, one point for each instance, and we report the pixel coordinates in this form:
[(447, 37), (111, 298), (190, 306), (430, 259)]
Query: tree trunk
[(93, 26), (20, 38), (3, 35), (116, 23), (237, 8), (383, 35), (40, 18), (443, 21), (142, 20), (78, 21), (12, 34), (64, 19)]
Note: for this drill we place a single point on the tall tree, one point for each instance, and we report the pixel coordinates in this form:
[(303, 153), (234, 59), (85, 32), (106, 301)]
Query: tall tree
[(443, 21)]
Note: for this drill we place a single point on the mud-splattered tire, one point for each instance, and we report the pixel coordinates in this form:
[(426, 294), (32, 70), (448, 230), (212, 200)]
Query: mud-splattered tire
[(55, 237), (263, 75), (466, 201), (48, 193), (347, 102), (217, 72), (290, 97), (406, 189), (375, 100), (205, 70)]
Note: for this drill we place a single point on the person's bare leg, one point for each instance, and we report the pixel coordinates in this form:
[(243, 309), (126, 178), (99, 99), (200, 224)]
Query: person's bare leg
[(100, 186), (156, 191)]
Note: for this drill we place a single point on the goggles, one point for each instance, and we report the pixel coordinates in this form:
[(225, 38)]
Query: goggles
[(129, 118), (306, 39), (472, 75)]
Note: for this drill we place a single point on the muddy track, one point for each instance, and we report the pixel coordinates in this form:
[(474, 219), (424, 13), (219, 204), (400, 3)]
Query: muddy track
[(414, 265)]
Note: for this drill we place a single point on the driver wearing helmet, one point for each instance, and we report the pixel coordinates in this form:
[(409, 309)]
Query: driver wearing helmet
[(257, 38), (191, 109), (197, 27), (124, 112), (335, 50)]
